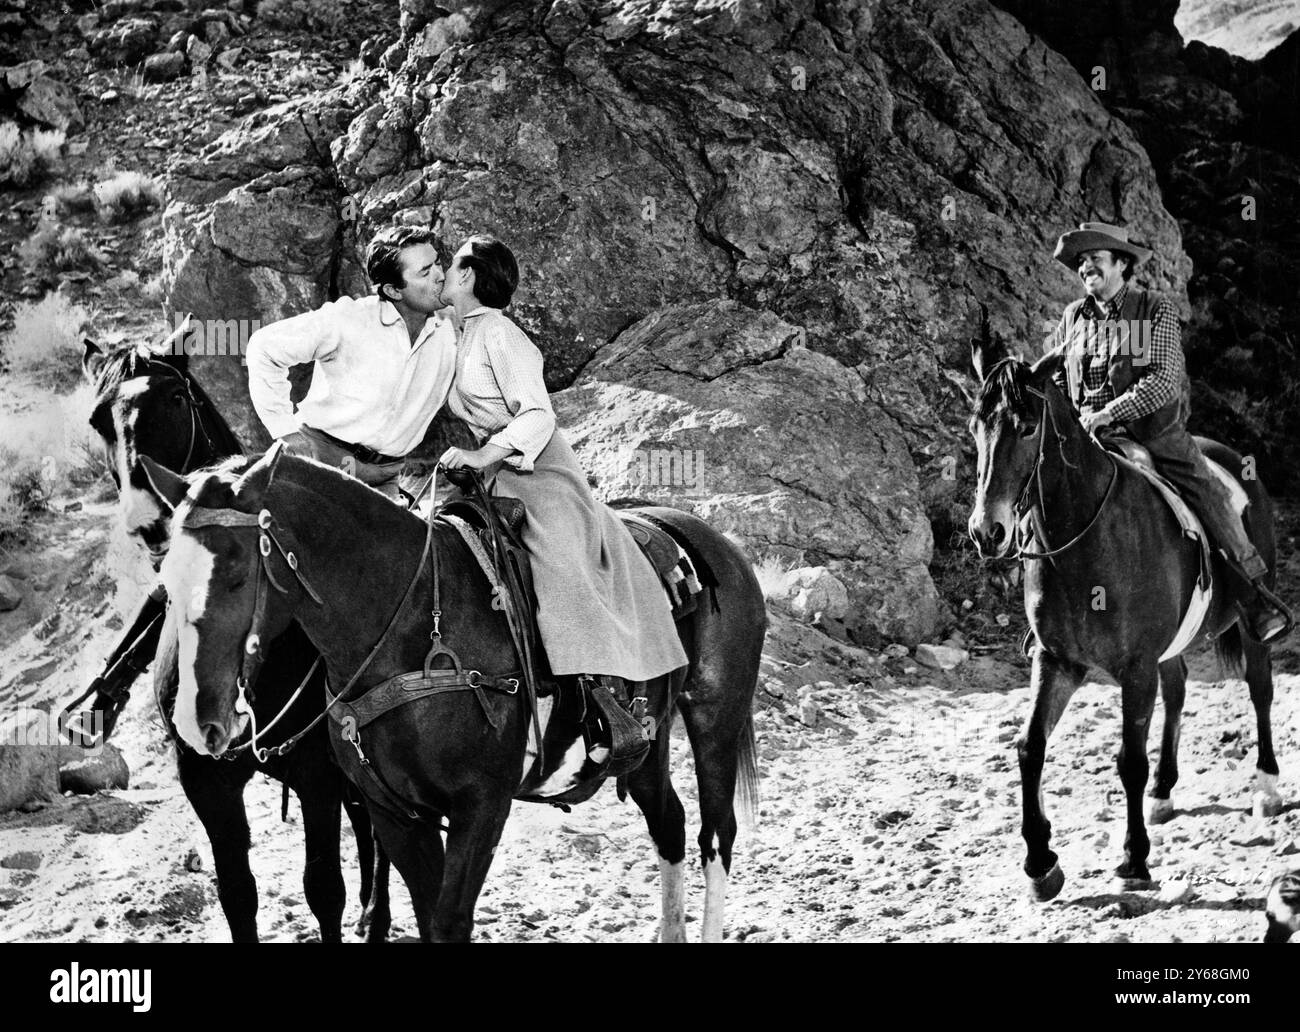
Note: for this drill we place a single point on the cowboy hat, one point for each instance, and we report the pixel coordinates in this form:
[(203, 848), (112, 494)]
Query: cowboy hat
[(1096, 236)]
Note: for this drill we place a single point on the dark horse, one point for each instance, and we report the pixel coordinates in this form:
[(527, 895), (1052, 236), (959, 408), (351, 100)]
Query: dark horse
[(1111, 593), (255, 546), (148, 404)]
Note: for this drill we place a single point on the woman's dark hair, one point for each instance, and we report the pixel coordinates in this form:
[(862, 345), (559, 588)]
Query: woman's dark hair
[(384, 255), (496, 273)]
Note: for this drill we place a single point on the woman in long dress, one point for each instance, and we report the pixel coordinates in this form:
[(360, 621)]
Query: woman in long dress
[(601, 611)]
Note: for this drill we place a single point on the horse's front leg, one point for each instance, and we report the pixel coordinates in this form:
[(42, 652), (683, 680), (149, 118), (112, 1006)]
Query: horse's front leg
[(1054, 681), (1139, 686), (474, 829), (216, 791), (322, 878), (415, 848)]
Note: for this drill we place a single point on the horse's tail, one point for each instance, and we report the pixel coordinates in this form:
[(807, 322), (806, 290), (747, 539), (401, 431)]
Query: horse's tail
[(747, 773), (1229, 648)]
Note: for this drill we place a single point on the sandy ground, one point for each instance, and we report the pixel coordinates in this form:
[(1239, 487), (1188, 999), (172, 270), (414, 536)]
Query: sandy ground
[(894, 817), (890, 802)]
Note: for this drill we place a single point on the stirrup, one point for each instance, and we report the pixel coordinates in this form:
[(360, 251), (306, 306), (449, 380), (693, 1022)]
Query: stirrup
[(621, 734), (1267, 598)]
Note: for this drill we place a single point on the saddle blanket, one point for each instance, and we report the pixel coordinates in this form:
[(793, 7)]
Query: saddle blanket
[(1199, 604)]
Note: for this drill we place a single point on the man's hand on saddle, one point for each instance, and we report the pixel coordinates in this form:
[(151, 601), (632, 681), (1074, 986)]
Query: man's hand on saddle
[(1094, 421)]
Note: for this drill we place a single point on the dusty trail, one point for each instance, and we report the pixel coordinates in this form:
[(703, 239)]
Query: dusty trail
[(896, 817)]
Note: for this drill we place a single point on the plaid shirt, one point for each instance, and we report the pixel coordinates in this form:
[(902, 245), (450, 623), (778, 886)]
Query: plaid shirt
[(1163, 361)]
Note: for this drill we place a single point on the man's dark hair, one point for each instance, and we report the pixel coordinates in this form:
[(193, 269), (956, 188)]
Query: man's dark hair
[(384, 255), (496, 273)]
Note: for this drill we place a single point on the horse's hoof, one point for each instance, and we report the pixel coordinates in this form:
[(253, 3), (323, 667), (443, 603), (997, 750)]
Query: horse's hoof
[(1048, 886), (1161, 811), (1266, 805), (1130, 880)]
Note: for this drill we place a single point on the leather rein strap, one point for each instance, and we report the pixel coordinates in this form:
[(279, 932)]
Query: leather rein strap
[(1024, 505)]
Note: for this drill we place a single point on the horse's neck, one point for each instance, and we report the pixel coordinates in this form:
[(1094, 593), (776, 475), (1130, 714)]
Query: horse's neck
[(360, 554), (215, 438), (1075, 475)]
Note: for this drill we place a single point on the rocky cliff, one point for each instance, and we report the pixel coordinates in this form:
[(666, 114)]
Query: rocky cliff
[(1223, 134), (755, 237)]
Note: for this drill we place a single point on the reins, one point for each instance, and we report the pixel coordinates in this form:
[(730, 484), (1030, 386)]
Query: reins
[(1025, 506), (198, 517)]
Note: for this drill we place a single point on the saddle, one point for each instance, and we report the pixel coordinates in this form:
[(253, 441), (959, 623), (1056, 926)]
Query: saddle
[(492, 529), (1130, 453)]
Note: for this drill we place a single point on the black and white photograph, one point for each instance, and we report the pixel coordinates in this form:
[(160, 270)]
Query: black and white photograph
[(638, 471)]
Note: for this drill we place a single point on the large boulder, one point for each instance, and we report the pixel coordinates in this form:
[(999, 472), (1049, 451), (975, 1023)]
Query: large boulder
[(1223, 134), (717, 408), (876, 180)]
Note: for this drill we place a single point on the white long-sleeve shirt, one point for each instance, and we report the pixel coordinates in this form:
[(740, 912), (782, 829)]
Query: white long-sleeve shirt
[(371, 385), (499, 390)]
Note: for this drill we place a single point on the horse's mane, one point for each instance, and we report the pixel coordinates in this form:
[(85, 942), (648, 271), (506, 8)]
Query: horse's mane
[(1004, 387), (128, 361)]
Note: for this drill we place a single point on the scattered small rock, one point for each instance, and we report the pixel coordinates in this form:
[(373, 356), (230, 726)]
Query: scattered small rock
[(1254, 834), (941, 657), (163, 67), (23, 860), (11, 594)]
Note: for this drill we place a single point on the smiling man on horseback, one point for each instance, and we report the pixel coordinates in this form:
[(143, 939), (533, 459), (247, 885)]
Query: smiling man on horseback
[(1124, 369)]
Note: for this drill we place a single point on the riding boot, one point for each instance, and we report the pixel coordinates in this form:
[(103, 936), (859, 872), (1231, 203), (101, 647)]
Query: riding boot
[(1268, 620), (614, 737)]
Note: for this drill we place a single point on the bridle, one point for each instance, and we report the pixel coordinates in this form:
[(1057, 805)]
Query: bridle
[(271, 549), (1025, 504), (196, 424)]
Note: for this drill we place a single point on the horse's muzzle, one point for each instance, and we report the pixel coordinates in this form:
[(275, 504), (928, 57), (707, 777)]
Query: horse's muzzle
[(990, 536)]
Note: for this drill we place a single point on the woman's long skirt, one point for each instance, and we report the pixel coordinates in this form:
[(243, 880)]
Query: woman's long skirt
[(601, 608)]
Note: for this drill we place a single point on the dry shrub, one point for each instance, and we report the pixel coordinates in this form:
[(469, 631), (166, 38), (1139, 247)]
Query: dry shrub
[(125, 196), (71, 199), (53, 249), (46, 339), (28, 156)]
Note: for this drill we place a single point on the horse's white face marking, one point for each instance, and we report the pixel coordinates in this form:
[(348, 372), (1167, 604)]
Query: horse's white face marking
[(715, 900), (187, 574), (139, 507), (672, 895)]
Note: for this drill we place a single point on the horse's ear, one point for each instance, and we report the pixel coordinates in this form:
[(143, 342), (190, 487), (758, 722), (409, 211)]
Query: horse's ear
[(271, 459), (92, 359), (986, 350), (168, 486), (171, 349)]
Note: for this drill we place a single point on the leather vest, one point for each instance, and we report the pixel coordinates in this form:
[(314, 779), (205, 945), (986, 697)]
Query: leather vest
[(1126, 362)]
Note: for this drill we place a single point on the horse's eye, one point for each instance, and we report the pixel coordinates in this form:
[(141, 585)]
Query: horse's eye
[(1028, 429)]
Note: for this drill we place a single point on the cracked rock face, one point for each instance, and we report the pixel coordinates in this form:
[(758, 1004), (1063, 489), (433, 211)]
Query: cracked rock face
[(847, 189)]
